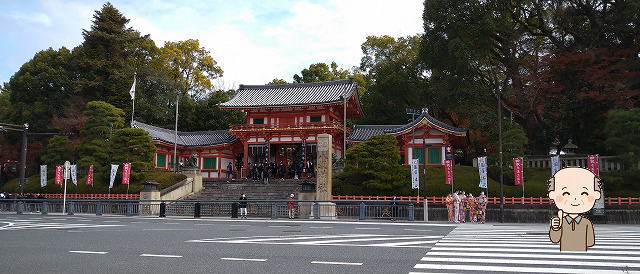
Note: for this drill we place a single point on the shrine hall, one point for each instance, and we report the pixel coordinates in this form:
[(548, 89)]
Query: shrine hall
[(282, 125)]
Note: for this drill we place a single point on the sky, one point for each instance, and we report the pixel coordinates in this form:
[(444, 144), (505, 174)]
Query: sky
[(253, 41)]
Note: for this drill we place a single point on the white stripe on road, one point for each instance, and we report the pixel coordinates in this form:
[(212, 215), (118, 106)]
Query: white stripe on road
[(320, 227), (542, 245), (111, 221), (283, 238), (512, 268), (279, 226), (161, 256), (541, 256), (335, 263), (166, 229), (532, 241), (401, 244), (244, 259), (487, 249), (409, 229), (171, 223), (367, 228), (88, 252), (371, 239), (525, 262), (230, 225)]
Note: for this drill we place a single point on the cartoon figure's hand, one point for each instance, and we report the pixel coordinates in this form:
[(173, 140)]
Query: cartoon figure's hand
[(556, 222)]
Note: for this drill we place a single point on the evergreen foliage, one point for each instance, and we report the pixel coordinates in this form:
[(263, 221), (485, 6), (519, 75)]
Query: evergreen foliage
[(102, 120), (58, 151)]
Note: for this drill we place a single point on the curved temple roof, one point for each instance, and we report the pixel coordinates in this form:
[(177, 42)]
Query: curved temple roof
[(364, 132), (194, 138)]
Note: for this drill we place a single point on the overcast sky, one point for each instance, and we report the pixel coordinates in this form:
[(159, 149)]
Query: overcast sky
[(253, 41)]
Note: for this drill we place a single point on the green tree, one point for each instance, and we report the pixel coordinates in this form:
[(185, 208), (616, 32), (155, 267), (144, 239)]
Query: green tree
[(623, 133), (58, 151), (277, 81), (133, 145), (514, 142), (205, 114), (321, 72), (102, 120), (373, 166)]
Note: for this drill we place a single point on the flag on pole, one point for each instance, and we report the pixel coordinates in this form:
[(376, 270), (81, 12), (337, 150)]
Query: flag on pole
[(555, 164), (43, 175), (90, 176), (114, 170), (74, 174), (448, 167), (592, 164), (58, 180), (517, 171), (415, 178), (126, 171), (482, 170), (132, 91)]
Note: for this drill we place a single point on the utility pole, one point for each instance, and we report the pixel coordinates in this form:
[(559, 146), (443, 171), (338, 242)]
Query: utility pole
[(175, 138), (500, 155)]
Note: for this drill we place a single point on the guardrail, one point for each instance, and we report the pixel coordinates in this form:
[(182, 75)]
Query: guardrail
[(491, 200), (256, 208)]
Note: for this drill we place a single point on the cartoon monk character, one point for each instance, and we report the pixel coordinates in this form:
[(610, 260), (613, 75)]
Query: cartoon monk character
[(574, 191)]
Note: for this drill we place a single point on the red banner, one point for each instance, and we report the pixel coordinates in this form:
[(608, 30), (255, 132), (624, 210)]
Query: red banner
[(448, 169), (90, 176), (58, 180), (517, 171), (126, 171), (592, 164)]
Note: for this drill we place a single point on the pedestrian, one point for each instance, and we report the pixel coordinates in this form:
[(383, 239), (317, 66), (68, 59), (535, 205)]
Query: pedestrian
[(482, 207), (394, 207), (449, 202), (281, 170), (229, 171), (254, 171), (243, 206), (472, 207), (463, 207), (312, 172), (292, 207), (456, 207)]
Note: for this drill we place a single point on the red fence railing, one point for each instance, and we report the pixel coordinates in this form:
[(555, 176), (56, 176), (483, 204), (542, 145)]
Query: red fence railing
[(492, 200), (95, 196)]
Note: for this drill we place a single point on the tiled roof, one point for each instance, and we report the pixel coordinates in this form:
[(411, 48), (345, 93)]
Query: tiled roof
[(292, 94), (364, 132), (194, 138)]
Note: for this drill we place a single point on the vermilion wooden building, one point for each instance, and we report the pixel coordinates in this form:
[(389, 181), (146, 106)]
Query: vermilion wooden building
[(282, 124)]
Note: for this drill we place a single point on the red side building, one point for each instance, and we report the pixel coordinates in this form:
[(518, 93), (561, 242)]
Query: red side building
[(282, 124)]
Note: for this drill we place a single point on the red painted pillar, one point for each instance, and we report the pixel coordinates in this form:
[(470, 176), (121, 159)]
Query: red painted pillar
[(245, 159)]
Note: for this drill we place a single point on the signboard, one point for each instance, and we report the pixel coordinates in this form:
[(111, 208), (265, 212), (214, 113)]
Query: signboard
[(517, 171), (592, 164), (448, 168), (43, 175), (114, 170), (58, 180), (73, 169), (482, 170), (67, 166), (415, 175), (555, 164), (90, 176), (126, 172)]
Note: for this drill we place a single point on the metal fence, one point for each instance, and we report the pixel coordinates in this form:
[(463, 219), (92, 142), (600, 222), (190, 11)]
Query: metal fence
[(263, 209)]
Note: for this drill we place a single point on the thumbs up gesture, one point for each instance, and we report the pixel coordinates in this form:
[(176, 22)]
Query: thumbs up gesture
[(556, 222)]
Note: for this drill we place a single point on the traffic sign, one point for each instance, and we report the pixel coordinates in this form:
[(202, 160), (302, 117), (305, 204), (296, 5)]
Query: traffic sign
[(67, 167)]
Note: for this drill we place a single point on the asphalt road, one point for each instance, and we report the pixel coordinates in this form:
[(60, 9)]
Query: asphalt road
[(92, 244)]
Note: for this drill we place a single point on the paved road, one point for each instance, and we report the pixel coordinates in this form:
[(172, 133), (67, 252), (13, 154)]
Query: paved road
[(90, 244)]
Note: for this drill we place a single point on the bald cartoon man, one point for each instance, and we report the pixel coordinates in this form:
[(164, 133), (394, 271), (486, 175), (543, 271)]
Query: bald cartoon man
[(574, 191)]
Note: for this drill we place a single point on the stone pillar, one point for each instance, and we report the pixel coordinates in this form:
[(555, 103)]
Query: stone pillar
[(150, 192), (196, 175), (323, 176)]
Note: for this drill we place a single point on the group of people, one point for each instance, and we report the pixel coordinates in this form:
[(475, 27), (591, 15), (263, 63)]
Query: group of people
[(462, 207), (6, 195), (269, 170), (291, 206)]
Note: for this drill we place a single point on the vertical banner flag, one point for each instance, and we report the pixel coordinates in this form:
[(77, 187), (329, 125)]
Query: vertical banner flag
[(482, 169), (517, 171), (415, 178), (132, 91), (126, 171), (592, 164), (43, 175), (58, 180), (114, 170), (90, 176), (74, 174), (555, 164), (448, 167)]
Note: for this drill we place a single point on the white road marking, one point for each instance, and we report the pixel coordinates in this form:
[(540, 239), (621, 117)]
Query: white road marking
[(410, 229), (401, 244), (524, 262), (490, 249), (166, 229), (244, 259), (370, 239), (320, 227), (541, 256), (205, 224), (279, 226), (111, 221), (138, 222), (335, 263), (88, 252), (367, 228), (171, 223), (513, 268), (231, 225), (161, 256), (548, 244)]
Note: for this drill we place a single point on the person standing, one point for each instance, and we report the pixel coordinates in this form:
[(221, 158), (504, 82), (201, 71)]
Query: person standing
[(456, 207), (449, 202), (463, 206), (472, 207), (243, 206), (229, 171), (482, 207), (292, 207), (281, 170)]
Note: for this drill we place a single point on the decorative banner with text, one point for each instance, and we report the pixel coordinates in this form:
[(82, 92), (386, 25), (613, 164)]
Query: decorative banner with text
[(415, 178), (74, 174), (90, 176), (517, 171), (482, 170), (592, 164), (555, 164), (43, 175), (58, 180), (126, 171), (448, 169), (114, 170)]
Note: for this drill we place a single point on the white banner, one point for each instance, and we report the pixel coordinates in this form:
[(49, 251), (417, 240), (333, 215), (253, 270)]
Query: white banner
[(555, 164), (482, 170), (415, 174), (74, 174), (114, 170), (43, 175)]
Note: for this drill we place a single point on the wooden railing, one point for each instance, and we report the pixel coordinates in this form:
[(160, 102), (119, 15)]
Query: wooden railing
[(289, 126), (95, 196), (492, 200)]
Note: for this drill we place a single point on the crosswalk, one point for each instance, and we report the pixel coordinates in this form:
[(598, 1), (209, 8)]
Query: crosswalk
[(18, 224), (526, 248), (362, 240)]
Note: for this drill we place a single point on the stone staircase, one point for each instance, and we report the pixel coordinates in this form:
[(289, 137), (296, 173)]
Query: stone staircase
[(254, 190)]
